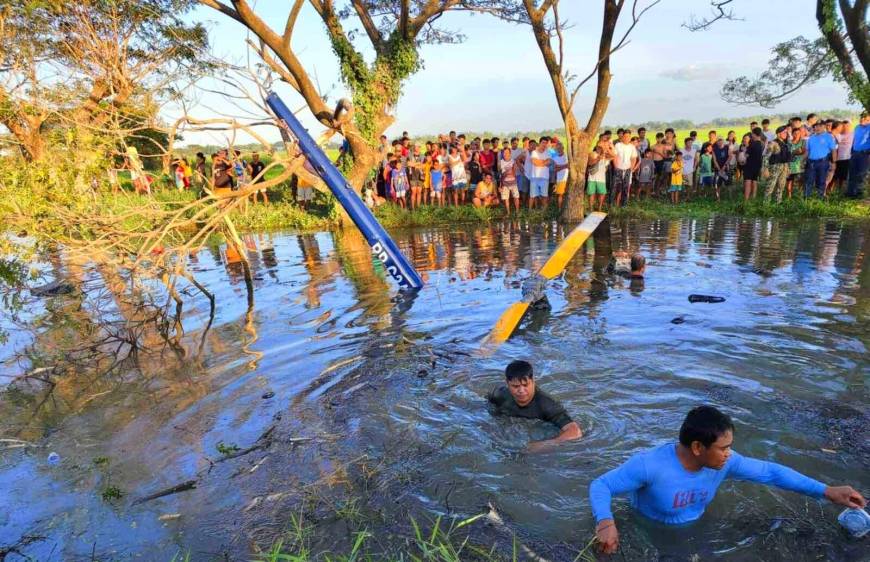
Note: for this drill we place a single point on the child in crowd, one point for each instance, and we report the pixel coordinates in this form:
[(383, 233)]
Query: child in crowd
[(436, 181), (596, 185), (509, 189), (646, 174), (676, 177), (399, 181), (705, 169)]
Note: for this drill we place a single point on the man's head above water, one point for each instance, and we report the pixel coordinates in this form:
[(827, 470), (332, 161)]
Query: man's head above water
[(707, 435), (520, 381)]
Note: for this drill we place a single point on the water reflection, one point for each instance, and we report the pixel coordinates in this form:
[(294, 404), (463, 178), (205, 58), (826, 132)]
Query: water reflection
[(312, 318)]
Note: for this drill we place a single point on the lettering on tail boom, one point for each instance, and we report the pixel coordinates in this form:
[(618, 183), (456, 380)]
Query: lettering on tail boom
[(390, 266)]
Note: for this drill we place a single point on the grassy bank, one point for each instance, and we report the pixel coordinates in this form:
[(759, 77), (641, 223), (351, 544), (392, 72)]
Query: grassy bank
[(282, 214), (797, 208)]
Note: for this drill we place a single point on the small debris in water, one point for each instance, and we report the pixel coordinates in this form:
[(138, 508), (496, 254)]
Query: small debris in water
[(831, 451), (59, 287), (422, 373), (706, 298), (268, 395), (856, 521), (678, 320), (169, 517), (53, 458)]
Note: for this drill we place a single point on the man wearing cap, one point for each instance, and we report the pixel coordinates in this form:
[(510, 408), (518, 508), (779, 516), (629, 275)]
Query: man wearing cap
[(778, 164), (821, 153), (860, 161)]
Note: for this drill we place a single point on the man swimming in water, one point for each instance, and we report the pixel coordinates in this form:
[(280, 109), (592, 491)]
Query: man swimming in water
[(521, 399), (673, 483)]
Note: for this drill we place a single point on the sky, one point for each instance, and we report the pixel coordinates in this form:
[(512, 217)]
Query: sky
[(496, 80)]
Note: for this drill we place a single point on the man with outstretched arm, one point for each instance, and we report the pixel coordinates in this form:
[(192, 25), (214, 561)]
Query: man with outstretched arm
[(520, 398), (673, 483)]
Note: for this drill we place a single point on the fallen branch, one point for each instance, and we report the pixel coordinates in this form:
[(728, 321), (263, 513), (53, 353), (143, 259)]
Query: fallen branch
[(183, 487)]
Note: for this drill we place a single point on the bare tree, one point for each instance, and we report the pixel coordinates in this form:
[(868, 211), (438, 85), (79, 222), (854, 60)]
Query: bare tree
[(548, 29), (720, 10), (394, 29)]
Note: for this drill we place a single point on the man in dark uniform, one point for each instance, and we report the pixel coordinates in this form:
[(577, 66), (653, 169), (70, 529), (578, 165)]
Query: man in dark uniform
[(521, 399)]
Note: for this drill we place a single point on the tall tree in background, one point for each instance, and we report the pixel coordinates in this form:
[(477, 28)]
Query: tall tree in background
[(74, 65), (393, 29), (842, 52), (548, 29)]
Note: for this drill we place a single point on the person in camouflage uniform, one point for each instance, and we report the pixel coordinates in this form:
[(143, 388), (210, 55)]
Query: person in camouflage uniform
[(778, 164)]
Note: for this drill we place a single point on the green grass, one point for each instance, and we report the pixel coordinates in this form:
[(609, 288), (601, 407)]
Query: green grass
[(440, 542), (283, 214), (796, 208)]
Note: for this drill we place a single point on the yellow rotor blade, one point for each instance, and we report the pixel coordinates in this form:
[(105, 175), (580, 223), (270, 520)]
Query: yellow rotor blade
[(510, 318), (569, 246), (508, 322)]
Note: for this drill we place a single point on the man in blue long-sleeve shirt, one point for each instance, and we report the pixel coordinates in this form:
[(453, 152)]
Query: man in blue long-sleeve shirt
[(860, 161), (673, 483)]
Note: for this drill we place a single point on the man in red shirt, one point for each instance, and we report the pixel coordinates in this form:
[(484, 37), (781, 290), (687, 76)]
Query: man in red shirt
[(487, 158)]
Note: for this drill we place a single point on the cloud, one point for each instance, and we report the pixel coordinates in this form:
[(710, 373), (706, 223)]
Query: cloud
[(695, 72)]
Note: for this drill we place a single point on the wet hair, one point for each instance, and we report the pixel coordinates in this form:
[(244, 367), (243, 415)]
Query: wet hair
[(637, 262), (704, 424), (519, 370)]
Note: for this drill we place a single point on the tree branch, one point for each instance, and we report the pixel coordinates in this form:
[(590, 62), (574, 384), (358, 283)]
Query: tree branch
[(719, 13), (291, 22), (368, 23)]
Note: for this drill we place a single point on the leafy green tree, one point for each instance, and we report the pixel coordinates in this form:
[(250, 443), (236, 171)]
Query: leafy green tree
[(842, 52), (75, 64), (393, 29)]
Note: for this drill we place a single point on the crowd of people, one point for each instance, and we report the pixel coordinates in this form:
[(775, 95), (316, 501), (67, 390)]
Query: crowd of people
[(815, 156), (227, 171)]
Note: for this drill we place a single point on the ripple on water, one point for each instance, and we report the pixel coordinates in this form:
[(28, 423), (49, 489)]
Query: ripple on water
[(786, 350)]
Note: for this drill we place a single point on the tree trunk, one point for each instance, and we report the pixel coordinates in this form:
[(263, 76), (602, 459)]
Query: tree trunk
[(826, 16), (578, 157), (27, 130)]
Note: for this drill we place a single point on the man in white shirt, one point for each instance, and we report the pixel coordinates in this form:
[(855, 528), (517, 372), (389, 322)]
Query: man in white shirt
[(539, 174), (690, 159), (624, 164), (560, 161), (844, 154), (767, 133)]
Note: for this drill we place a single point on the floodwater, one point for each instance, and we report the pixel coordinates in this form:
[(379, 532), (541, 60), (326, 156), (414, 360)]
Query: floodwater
[(359, 371)]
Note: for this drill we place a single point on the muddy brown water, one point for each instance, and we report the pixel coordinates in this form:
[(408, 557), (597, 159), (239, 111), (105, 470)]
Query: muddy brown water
[(374, 398)]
